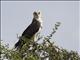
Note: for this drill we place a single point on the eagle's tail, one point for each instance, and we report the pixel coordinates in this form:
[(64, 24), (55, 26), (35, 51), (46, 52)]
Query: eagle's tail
[(18, 44), (22, 41)]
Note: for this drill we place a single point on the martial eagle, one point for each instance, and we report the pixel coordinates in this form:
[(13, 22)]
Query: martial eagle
[(32, 29)]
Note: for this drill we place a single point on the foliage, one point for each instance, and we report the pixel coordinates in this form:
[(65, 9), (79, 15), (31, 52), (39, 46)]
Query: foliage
[(33, 50)]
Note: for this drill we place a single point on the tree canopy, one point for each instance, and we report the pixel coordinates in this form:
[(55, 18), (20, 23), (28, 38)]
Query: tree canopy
[(33, 50)]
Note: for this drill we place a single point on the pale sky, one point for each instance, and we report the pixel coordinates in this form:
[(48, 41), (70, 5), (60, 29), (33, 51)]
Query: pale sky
[(16, 16)]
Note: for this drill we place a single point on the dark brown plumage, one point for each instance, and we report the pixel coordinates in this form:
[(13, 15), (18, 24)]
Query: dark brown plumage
[(31, 30)]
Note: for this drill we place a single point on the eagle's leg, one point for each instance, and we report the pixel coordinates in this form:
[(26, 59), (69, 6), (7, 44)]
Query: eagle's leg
[(36, 36)]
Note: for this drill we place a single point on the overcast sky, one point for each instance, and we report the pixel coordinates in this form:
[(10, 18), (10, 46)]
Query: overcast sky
[(16, 16)]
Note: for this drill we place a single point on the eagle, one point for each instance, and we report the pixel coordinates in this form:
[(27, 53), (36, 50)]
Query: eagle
[(32, 30)]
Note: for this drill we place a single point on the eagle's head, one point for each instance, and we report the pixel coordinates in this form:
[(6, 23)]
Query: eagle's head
[(37, 15)]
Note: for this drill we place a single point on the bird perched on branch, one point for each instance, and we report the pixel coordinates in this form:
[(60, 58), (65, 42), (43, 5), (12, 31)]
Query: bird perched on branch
[(32, 30)]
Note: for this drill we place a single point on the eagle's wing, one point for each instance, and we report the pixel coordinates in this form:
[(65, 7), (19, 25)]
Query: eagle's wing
[(31, 29), (29, 32)]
